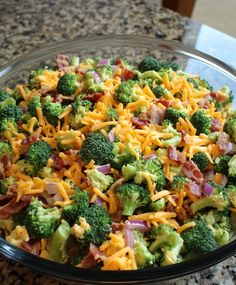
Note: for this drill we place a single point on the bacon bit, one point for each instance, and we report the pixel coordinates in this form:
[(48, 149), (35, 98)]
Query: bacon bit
[(31, 246), (155, 114), (94, 97), (117, 227), (191, 170), (6, 198), (5, 164), (88, 261), (172, 153), (127, 75), (13, 207), (223, 144), (164, 102), (26, 143), (59, 163), (62, 61), (93, 249), (215, 125), (194, 189), (139, 121), (117, 216)]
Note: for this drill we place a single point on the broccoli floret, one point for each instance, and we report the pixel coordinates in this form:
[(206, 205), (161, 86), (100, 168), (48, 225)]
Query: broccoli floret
[(194, 82), (45, 172), (105, 72), (5, 149), (5, 183), (61, 138), (111, 114), (143, 256), (171, 65), (201, 122), (100, 224), (221, 164), (33, 80), (38, 155), (168, 242), (179, 182), (158, 205), (205, 84), (33, 104), (67, 84), (132, 196), (201, 160), (160, 91), (173, 115), (40, 222), (79, 109), (218, 199), (52, 110), (26, 167), (199, 238), (81, 203), (57, 246), (175, 140), (231, 192), (123, 158), (93, 81), (220, 225), (9, 113), (99, 180), (125, 93), (98, 148), (232, 167), (230, 128), (4, 95), (149, 63)]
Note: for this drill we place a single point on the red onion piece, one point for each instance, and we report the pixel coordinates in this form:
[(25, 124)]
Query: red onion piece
[(106, 168), (137, 225), (114, 67), (209, 175), (150, 156), (95, 76), (98, 201), (129, 237), (207, 189), (51, 187), (103, 61), (223, 181), (111, 136)]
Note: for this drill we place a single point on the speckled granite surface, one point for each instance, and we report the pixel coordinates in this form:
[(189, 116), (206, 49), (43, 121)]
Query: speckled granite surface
[(28, 24)]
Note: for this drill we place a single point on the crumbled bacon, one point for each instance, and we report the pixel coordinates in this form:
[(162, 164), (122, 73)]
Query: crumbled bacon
[(88, 261), (191, 170), (155, 114), (139, 121), (94, 97), (164, 102), (172, 153), (13, 207), (215, 125), (26, 143), (5, 164), (94, 250), (127, 75), (59, 163), (194, 189), (31, 246), (223, 143)]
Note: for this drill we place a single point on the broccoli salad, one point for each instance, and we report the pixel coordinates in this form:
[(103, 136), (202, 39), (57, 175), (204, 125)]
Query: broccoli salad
[(118, 167)]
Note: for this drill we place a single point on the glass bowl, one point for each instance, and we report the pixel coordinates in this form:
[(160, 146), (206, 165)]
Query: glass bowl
[(134, 48)]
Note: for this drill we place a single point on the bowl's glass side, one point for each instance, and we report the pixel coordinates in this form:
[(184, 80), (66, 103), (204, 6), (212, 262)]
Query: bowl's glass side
[(134, 48)]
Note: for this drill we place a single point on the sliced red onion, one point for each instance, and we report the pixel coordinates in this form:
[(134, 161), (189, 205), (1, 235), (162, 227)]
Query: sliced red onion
[(51, 187), (111, 136), (209, 175), (233, 150), (129, 237), (95, 76), (223, 181), (207, 189), (106, 168), (114, 67), (150, 156), (98, 201), (103, 61), (137, 225)]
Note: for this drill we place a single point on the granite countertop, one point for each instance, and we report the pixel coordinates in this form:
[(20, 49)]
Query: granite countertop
[(29, 24)]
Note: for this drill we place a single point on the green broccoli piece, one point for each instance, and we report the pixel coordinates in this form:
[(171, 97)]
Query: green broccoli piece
[(143, 256), (81, 203), (123, 158), (194, 82), (52, 110), (67, 84), (230, 128), (218, 199), (79, 109), (228, 98), (4, 95), (149, 63), (231, 192), (5, 183), (33, 104), (201, 160), (45, 172), (175, 140), (160, 91), (105, 72), (100, 225), (67, 136), (9, 113), (5, 149), (173, 115), (199, 238), (158, 205), (98, 148), (220, 225), (201, 122), (99, 180), (57, 246), (40, 222), (111, 114), (168, 242), (26, 167), (132, 196), (33, 79), (221, 164), (38, 155), (232, 167), (205, 84), (179, 182), (171, 65), (125, 93), (93, 81)]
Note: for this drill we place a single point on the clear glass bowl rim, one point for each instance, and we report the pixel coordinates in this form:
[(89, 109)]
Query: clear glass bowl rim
[(122, 277)]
